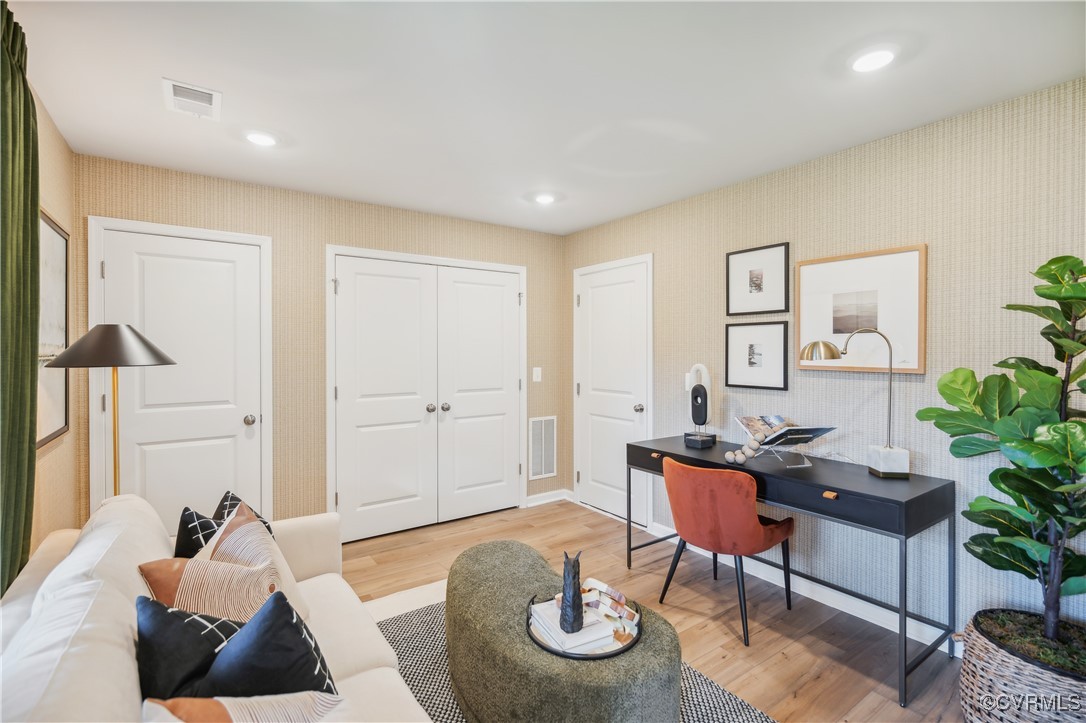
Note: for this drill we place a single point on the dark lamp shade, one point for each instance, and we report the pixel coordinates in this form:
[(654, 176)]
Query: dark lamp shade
[(111, 345)]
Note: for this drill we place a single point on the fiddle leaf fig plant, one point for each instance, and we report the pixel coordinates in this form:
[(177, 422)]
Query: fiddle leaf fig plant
[(1028, 416)]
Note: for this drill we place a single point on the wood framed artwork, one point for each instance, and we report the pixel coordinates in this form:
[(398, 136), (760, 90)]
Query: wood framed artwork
[(884, 290), (757, 280), (52, 331), (756, 355)]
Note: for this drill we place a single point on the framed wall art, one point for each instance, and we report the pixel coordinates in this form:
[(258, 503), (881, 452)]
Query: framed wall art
[(52, 331), (756, 355), (884, 290), (757, 280)]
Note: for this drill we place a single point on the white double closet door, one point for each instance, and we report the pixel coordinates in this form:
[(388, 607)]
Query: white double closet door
[(427, 417)]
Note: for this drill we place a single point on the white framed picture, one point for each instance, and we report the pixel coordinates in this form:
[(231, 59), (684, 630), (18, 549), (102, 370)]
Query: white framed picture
[(756, 355), (757, 280), (883, 290), (52, 330)]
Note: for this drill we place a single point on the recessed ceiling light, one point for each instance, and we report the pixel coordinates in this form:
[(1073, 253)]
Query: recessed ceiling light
[(873, 61), (261, 139), (544, 199)]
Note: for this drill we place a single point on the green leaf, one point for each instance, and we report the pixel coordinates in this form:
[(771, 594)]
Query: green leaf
[(1073, 586), (1037, 550), (1073, 309), (998, 396), (1071, 347), (972, 446), (1022, 423), (1061, 270), (1037, 489), (1031, 454), (1071, 489), (930, 414), (1074, 564), (960, 389), (1068, 439), (958, 423), (1001, 556), (1061, 292), (1021, 362), (1053, 336), (983, 503), (1049, 313), (1078, 372), (1041, 390)]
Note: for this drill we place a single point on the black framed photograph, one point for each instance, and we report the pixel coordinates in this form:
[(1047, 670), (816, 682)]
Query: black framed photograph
[(756, 355), (758, 280), (52, 331)]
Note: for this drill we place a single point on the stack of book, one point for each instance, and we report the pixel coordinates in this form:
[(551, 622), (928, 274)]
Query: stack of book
[(597, 632)]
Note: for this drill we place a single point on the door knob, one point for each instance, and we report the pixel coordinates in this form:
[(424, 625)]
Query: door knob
[(249, 420), (445, 406), (639, 408), (431, 407)]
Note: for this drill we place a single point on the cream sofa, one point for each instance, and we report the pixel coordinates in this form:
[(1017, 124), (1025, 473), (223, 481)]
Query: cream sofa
[(69, 620)]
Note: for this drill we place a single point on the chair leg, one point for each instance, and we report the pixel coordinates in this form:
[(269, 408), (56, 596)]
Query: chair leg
[(674, 563), (787, 574), (742, 597), (714, 566)]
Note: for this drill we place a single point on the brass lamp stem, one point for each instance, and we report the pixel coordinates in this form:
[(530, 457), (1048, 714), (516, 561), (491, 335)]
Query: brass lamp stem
[(889, 377), (116, 441)]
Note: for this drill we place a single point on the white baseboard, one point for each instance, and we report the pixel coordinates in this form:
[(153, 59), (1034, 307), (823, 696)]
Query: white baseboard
[(844, 602), (544, 498)]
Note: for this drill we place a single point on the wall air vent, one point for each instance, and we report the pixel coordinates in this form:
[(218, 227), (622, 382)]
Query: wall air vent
[(192, 99), (541, 447)]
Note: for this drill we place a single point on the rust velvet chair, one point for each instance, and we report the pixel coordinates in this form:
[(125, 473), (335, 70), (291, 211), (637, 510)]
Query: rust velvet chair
[(715, 509)]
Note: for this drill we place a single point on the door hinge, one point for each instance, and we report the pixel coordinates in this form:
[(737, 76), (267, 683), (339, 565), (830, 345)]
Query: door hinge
[(337, 500), (520, 298), (102, 269), (261, 418), (520, 384), (578, 476), (578, 389), (520, 469), (335, 286), (103, 402), (335, 392), (578, 299)]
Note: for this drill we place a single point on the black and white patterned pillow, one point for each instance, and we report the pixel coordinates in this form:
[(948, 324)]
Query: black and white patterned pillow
[(183, 655), (175, 648), (194, 530)]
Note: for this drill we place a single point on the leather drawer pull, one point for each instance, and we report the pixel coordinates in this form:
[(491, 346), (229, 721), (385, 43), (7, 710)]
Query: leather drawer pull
[(829, 495), (656, 455)]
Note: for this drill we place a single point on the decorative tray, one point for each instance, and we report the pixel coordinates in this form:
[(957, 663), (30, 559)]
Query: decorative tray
[(608, 652)]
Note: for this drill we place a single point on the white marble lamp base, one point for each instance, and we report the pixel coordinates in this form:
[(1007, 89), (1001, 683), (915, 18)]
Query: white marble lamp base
[(888, 461)]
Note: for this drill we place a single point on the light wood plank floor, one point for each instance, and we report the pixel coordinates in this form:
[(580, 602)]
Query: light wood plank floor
[(812, 663)]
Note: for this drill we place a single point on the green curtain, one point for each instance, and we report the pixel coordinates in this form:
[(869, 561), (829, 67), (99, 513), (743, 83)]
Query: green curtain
[(19, 302)]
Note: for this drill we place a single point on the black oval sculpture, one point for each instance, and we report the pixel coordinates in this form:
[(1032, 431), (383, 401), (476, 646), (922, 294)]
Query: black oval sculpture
[(572, 617)]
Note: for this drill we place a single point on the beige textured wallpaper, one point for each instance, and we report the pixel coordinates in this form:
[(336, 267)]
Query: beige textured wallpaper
[(56, 497), (993, 193), (301, 225)]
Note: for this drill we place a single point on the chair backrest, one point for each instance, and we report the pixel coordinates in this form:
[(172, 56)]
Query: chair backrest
[(715, 509)]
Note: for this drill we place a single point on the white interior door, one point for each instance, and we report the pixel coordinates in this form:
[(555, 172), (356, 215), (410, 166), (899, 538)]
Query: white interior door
[(183, 435), (478, 373), (386, 379), (612, 359)]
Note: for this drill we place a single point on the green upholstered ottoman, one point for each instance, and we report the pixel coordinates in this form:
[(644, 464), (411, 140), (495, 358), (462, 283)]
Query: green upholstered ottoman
[(499, 674)]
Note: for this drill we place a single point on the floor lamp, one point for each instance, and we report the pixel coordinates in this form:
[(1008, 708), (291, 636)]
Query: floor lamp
[(888, 461), (112, 345)]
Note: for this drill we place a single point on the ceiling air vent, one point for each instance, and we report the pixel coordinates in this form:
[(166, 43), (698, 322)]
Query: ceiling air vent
[(192, 99)]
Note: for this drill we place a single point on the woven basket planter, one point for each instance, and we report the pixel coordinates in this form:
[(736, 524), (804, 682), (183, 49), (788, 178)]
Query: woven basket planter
[(998, 684)]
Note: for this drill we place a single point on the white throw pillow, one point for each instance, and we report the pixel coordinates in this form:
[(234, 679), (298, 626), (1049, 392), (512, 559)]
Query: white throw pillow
[(75, 659)]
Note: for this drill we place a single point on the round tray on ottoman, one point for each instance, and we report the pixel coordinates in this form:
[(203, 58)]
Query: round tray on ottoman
[(499, 674)]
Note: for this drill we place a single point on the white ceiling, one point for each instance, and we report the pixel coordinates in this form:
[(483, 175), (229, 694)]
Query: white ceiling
[(462, 109)]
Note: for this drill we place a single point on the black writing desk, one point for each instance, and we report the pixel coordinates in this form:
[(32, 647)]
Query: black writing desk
[(836, 491)]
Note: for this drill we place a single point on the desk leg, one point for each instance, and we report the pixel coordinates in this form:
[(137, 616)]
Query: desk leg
[(952, 611), (629, 533), (902, 617)]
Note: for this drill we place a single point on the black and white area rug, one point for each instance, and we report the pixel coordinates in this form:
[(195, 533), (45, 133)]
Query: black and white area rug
[(418, 637)]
